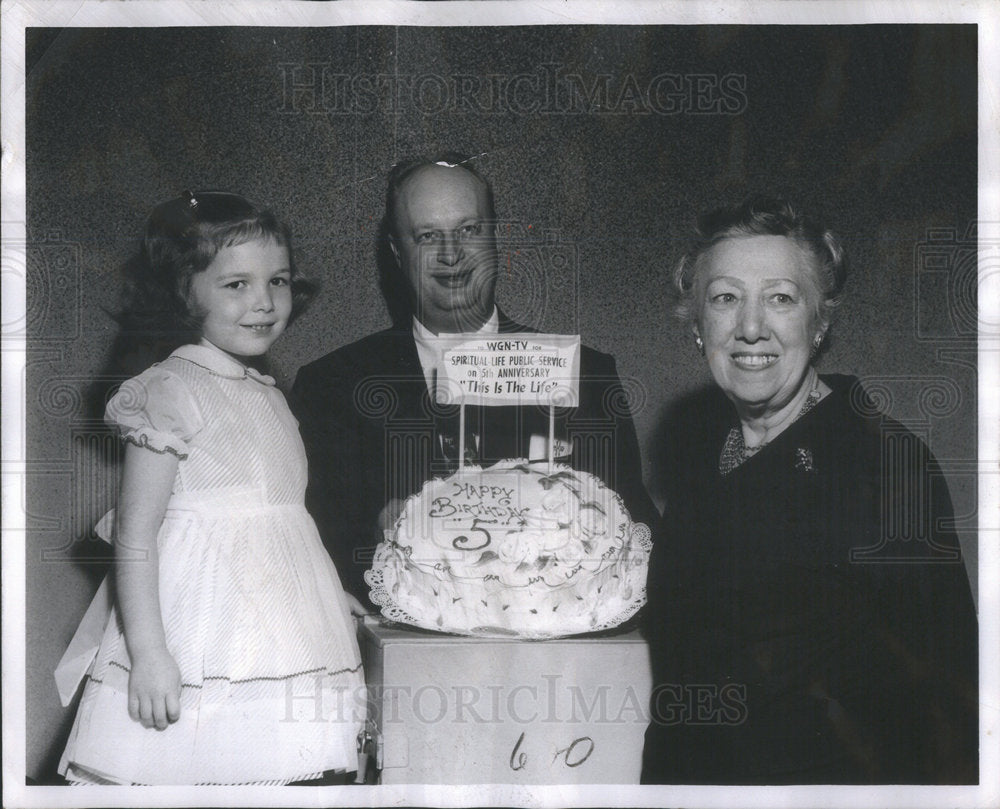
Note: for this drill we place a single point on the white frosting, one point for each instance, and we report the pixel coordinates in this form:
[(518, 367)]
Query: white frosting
[(513, 550)]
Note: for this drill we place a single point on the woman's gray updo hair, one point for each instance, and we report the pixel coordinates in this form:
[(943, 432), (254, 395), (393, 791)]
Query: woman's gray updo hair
[(764, 216)]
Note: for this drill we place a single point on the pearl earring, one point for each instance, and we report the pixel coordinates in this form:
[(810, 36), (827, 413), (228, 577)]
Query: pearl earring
[(701, 345)]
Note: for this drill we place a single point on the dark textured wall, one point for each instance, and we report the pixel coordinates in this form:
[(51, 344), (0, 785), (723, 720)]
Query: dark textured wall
[(602, 144)]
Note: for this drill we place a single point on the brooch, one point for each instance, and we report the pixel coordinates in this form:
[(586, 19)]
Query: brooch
[(804, 460)]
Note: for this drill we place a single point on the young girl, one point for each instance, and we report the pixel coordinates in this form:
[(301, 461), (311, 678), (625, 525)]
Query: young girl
[(229, 656)]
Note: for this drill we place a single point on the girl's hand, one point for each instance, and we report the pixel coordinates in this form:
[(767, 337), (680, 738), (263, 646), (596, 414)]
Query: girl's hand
[(154, 689), (389, 514), (357, 608), (154, 685)]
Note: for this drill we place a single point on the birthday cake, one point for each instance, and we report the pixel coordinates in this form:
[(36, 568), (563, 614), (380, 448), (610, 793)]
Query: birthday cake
[(519, 550)]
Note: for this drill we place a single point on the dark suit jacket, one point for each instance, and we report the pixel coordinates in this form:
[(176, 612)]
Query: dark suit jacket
[(370, 429)]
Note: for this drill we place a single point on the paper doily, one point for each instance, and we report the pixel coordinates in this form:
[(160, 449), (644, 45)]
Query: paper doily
[(640, 544)]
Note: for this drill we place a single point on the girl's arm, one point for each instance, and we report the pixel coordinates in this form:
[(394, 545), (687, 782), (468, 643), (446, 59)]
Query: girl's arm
[(154, 685)]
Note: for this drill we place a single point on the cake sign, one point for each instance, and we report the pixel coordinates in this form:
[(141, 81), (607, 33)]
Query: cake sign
[(511, 369)]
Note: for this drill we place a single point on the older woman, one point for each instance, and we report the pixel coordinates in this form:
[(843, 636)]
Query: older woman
[(790, 641)]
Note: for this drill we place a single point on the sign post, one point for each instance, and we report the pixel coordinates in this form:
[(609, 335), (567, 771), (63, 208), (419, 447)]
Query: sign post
[(510, 369)]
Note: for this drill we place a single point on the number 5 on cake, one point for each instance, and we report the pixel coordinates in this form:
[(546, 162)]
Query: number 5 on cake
[(461, 542)]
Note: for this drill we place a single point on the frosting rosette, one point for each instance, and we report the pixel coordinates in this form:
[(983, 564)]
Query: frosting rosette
[(521, 547), (518, 549)]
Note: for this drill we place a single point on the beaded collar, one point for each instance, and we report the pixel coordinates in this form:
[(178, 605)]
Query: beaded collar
[(735, 451), (218, 363)]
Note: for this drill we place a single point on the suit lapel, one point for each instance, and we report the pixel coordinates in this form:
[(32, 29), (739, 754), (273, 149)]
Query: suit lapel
[(408, 378)]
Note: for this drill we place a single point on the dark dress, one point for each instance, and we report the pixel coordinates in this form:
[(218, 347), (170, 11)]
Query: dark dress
[(810, 619)]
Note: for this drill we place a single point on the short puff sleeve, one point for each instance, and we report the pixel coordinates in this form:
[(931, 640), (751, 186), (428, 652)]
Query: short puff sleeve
[(157, 411)]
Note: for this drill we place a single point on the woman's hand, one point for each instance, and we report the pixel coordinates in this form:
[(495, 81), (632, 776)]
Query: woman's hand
[(154, 689)]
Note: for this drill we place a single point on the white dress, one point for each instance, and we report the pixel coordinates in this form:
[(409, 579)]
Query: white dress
[(253, 610)]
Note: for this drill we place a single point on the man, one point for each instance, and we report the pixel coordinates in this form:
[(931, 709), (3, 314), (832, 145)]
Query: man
[(372, 429)]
